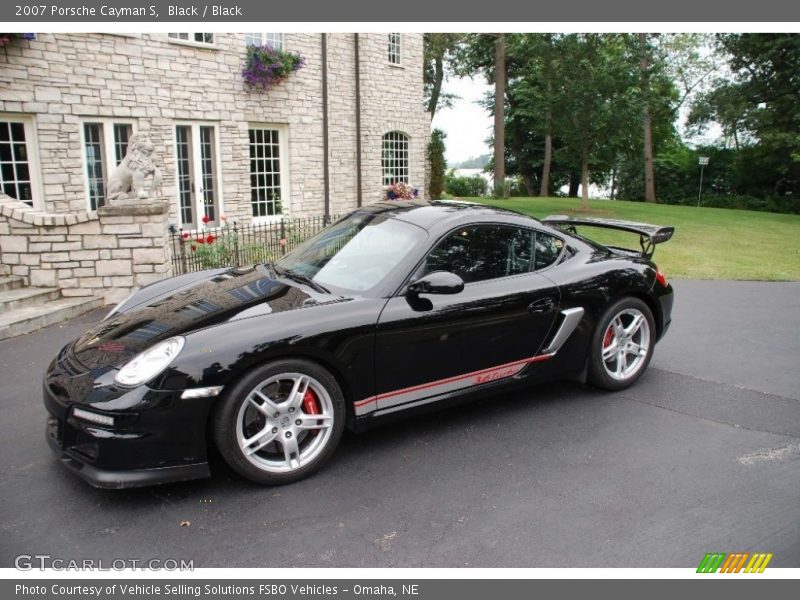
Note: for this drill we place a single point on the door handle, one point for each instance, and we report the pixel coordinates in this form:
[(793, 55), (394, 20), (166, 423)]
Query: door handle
[(541, 305)]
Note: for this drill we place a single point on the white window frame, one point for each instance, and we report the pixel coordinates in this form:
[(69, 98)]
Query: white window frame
[(394, 49), (109, 141), (197, 169), (283, 148), (265, 39), (190, 41), (407, 141), (32, 149)]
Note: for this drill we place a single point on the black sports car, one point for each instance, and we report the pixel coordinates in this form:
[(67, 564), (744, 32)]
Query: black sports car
[(394, 307)]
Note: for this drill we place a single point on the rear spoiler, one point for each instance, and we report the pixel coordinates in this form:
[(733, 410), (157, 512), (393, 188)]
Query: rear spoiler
[(649, 235)]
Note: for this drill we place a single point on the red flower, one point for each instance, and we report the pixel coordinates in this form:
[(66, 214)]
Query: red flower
[(194, 248), (210, 239), (206, 218), (185, 236), (200, 240)]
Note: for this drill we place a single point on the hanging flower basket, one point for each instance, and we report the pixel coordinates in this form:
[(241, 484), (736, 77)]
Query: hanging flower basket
[(267, 66), (7, 38)]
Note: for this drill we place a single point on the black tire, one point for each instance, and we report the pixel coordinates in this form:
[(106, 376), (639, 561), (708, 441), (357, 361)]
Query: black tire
[(273, 429), (610, 373)]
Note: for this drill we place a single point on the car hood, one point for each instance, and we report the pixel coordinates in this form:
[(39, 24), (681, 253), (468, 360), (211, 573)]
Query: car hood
[(187, 303)]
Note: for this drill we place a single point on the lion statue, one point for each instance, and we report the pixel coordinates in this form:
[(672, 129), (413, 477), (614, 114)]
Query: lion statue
[(137, 176)]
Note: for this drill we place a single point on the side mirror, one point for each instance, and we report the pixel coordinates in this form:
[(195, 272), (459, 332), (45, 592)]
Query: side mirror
[(438, 282)]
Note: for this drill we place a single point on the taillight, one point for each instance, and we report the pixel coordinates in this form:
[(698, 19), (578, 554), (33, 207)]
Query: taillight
[(661, 278)]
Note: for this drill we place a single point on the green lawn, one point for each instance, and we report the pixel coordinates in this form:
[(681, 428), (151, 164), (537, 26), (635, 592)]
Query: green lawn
[(709, 243)]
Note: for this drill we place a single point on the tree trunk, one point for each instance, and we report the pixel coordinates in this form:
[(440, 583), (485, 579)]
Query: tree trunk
[(499, 115), (574, 184), (585, 178), (649, 174), (436, 84), (548, 136), (613, 183), (548, 157), (527, 181)]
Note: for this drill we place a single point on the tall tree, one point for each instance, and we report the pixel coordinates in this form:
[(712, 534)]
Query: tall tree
[(760, 105), (688, 63), (544, 67), (532, 95), (644, 66), (601, 102), (499, 114), (440, 55), (635, 172)]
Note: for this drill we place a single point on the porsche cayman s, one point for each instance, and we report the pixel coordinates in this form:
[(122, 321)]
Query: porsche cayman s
[(396, 307)]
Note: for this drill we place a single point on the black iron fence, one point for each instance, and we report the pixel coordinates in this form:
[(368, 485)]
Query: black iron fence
[(234, 244)]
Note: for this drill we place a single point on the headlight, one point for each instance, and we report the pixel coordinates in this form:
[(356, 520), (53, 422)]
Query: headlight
[(150, 363), (119, 306)]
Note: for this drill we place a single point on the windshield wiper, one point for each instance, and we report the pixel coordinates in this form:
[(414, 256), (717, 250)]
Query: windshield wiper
[(289, 274)]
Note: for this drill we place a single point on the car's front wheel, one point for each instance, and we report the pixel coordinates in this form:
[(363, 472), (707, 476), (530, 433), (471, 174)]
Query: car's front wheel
[(280, 422), (622, 344)]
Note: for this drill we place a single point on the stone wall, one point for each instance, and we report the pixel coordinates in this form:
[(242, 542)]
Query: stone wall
[(61, 79), (104, 254), (392, 101)]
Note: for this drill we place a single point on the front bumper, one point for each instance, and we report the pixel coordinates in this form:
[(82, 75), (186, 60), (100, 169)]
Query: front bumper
[(158, 437), (120, 479)]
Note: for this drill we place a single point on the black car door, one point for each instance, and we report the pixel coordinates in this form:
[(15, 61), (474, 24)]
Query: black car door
[(431, 345)]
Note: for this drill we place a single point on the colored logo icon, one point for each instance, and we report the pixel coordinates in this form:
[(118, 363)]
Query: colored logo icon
[(719, 562)]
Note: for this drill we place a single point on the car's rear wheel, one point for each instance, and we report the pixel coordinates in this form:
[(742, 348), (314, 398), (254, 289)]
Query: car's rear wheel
[(280, 422), (622, 344)]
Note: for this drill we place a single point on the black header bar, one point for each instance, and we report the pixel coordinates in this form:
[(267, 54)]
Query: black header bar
[(366, 11)]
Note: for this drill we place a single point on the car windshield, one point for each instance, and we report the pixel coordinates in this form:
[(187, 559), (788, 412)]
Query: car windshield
[(354, 254)]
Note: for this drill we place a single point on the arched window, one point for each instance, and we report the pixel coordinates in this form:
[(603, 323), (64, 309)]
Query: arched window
[(395, 158)]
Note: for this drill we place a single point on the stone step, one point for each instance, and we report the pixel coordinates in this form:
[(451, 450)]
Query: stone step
[(30, 318), (25, 296), (11, 282)]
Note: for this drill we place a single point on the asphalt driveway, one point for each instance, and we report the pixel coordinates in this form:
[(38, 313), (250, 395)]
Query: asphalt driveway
[(702, 455)]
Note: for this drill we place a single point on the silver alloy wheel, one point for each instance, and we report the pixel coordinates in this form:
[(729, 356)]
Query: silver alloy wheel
[(626, 343), (273, 429)]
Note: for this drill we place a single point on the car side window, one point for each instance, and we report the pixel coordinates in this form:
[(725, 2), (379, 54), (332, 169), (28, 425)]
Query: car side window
[(547, 249), (482, 252)]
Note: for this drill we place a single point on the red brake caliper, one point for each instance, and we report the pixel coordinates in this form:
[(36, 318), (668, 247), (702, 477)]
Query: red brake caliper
[(608, 338), (311, 406)]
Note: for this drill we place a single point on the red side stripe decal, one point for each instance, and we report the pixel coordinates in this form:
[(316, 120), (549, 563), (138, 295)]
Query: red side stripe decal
[(481, 376)]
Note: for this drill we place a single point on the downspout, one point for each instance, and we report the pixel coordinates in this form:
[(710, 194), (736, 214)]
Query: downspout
[(359, 187), (326, 160)]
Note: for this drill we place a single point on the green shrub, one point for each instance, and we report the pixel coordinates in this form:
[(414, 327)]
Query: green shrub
[(460, 187), (437, 164)]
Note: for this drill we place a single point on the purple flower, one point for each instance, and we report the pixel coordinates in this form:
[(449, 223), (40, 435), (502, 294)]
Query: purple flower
[(267, 66)]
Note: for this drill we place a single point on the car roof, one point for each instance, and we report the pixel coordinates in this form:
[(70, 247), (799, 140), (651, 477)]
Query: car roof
[(435, 215)]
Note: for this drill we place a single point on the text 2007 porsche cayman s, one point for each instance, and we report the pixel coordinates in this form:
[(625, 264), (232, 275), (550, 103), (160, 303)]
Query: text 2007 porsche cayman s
[(395, 307)]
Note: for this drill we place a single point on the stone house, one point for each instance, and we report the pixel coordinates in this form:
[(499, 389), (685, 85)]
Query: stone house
[(74, 99), (69, 102)]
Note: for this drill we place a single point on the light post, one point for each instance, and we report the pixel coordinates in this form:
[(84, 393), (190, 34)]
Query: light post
[(703, 163)]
